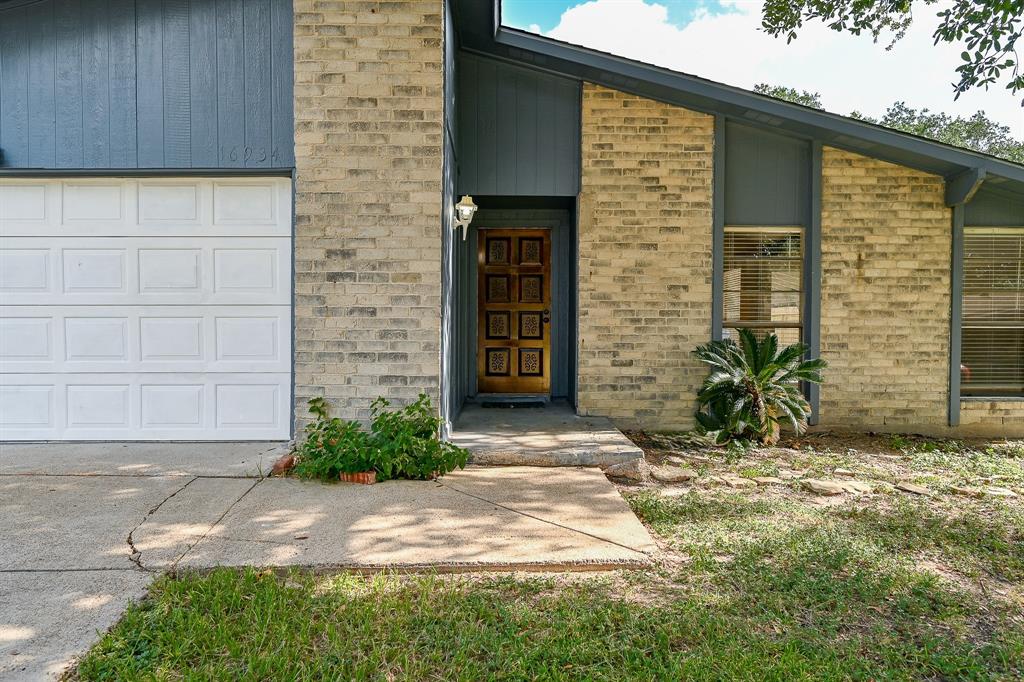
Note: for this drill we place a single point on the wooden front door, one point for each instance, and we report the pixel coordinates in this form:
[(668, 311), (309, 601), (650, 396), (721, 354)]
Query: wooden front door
[(514, 311)]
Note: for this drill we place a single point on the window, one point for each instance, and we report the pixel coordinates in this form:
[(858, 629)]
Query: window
[(762, 285), (992, 337)]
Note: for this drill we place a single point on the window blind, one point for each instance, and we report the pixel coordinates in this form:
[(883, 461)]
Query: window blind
[(992, 335), (762, 283)]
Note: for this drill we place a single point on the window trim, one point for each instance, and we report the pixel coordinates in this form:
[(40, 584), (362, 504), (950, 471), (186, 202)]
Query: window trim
[(812, 254), (956, 397), (767, 324)]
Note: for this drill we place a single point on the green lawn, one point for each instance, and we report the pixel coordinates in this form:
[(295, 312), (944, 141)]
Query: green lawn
[(752, 585)]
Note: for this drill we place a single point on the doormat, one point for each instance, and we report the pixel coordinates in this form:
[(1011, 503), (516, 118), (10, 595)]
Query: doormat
[(513, 404)]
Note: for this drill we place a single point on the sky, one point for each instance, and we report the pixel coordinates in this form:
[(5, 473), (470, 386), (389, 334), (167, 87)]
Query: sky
[(722, 40)]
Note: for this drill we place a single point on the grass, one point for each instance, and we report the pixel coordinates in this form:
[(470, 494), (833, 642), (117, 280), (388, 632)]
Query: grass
[(753, 585)]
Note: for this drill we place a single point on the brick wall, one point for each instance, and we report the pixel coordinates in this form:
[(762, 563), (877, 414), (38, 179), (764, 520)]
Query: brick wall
[(1000, 418), (368, 141), (644, 258), (885, 295)]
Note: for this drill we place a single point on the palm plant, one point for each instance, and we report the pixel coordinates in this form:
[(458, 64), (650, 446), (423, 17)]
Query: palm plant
[(753, 387)]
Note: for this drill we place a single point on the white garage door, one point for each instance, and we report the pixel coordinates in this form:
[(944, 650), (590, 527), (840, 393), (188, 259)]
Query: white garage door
[(145, 309)]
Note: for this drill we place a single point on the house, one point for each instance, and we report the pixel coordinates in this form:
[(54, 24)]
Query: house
[(213, 210)]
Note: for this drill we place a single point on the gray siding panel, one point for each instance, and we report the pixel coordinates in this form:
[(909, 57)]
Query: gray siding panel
[(256, 23), (992, 207), (42, 132), (231, 82), (68, 103), (282, 117), (14, 72), (123, 105), (766, 177), (123, 84), (203, 78), (177, 102), (150, 85), (518, 130), (96, 85)]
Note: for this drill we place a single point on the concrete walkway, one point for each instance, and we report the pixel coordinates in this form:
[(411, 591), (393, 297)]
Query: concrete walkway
[(87, 527)]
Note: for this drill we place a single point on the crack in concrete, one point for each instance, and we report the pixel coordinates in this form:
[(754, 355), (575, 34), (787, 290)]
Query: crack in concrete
[(135, 556), (174, 564), (547, 521)]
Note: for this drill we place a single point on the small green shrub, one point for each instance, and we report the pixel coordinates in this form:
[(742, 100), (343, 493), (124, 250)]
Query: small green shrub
[(332, 446), (753, 386), (408, 442), (402, 443)]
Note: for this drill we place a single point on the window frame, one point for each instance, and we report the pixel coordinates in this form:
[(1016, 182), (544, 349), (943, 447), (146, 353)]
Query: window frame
[(801, 325), (962, 390)]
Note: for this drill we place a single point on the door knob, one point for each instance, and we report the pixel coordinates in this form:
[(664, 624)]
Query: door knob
[(547, 316)]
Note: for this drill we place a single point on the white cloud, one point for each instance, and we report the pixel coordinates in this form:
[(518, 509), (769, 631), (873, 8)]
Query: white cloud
[(850, 72)]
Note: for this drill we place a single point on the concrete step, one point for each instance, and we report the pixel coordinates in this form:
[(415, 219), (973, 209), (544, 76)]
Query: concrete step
[(552, 435)]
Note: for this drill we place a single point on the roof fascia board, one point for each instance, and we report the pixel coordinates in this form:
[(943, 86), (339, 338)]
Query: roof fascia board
[(708, 96)]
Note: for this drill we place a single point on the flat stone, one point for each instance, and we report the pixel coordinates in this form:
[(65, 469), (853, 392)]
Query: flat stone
[(820, 487), (635, 470), (678, 461), (678, 491), (966, 491), (857, 487), (768, 480), (843, 472), (672, 474), (996, 491), (908, 487), (738, 482)]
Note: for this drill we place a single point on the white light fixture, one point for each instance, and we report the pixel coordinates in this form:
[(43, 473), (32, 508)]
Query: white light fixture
[(464, 211)]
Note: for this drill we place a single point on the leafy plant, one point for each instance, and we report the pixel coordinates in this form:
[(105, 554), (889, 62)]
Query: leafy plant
[(753, 387), (332, 446), (402, 443), (408, 442)]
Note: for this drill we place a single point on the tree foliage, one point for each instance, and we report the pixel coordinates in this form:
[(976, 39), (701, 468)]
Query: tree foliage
[(804, 97), (987, 30), (977, 132)]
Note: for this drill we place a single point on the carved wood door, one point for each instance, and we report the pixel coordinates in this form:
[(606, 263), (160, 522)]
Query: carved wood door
[(514, 311)]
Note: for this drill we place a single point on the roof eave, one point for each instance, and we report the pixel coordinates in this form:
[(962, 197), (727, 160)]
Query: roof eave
[(691, 91)]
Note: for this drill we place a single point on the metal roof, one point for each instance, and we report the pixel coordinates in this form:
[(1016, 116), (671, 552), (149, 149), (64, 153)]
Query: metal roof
[(480, 31)]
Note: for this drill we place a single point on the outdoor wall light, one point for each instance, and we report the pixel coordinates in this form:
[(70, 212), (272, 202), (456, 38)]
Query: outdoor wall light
[(464, 211)]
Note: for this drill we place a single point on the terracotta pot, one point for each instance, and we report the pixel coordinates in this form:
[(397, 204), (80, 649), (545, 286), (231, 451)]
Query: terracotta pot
[(283, 465), (364, 477)]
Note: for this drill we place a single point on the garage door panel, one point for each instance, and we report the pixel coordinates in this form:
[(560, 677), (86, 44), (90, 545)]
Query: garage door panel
[(145, 339), (145, 309), (151, 270), (106, 207), (143, 406)]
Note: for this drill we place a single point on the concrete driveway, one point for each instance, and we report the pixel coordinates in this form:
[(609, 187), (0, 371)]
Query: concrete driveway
[(86, 527)]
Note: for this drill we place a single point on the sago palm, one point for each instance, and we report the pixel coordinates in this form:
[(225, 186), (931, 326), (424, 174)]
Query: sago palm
[(753, 387)]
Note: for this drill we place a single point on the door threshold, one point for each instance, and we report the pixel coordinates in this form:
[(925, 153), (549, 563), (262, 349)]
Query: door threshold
[(512, 400)]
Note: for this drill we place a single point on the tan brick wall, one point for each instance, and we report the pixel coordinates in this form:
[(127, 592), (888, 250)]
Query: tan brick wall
[(368, 141), (644, 258), (996, 418), (885, 295)]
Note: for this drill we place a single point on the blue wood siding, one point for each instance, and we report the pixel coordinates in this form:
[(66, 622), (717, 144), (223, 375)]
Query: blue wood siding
[(112, 84), (767, 177), (518, 130), (993, 207)]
